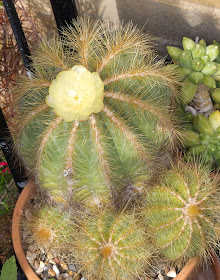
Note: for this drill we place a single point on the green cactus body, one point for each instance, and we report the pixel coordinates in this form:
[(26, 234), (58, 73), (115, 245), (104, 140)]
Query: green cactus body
[(95, 158), (182, 212), (48, 226), (111, 247)]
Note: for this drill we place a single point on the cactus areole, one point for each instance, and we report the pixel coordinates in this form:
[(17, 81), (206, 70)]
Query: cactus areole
[(94, 120), (76, 93)]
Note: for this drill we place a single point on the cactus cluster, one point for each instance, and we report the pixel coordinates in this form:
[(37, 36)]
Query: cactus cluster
[(95, 119), (95, 124), (196, 62), (183, 212)]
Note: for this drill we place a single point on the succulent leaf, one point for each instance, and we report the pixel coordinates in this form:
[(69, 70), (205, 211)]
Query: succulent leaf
[(188, 91), (212, 51), (210, 68), (188, 44)]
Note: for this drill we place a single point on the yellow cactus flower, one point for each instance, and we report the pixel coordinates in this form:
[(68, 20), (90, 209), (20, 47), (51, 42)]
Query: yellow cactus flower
[(76, 93), (214, 118)]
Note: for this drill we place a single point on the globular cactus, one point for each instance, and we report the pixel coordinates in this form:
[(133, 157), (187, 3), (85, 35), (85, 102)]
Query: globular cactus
[(48, 226), (183, 210), (112, 246), (198, 63), (203, 140), (94, 116)]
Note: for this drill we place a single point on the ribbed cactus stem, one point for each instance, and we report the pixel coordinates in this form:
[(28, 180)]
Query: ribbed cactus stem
[(112, 246), (48, 226), (182, 212), (94, 120)]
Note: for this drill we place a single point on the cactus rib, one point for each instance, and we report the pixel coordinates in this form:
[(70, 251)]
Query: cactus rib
[(183, 212)]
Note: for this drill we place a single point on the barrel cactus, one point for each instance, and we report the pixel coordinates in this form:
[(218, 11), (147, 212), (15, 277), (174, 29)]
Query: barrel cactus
[(112, 246), (48, 225), (182, 210), (94, 116)]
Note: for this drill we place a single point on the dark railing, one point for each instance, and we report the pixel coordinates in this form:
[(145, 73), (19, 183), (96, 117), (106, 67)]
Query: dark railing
[(64, 11)]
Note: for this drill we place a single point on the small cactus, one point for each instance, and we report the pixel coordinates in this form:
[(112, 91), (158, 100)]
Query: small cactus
[(48, 226), (111, 246), (94, 116), (183, 212)]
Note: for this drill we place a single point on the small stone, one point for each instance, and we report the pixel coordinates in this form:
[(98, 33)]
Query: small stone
[(52, 261), (160, 277), (72, 267), (172, 273), (28, 254), (45, 274), (51, 272), (46, 262), (46, 268), (65, 275), (39, 270), (50, 256), (42, 257), (36, 264), (55, 268), (83, 278), (31, 248), (70, 272), (42, 265), (42, 250), (63, 265)]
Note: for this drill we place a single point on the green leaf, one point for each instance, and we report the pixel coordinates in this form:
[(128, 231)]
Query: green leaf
[(9, 270)]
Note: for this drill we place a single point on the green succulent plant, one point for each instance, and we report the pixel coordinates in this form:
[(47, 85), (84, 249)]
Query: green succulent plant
[(198, 63), (203, 139), (182, 211), (94, 117)]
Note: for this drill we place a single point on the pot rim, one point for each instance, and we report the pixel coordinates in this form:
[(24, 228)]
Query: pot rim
[(23, 201)]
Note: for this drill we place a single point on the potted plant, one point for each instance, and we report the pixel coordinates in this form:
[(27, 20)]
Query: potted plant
[(95, 129)]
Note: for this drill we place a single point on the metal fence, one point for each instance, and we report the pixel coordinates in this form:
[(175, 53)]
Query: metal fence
[(64, 11)]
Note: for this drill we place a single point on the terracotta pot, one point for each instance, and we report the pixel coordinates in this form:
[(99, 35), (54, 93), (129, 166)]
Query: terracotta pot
[(190, 272)]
